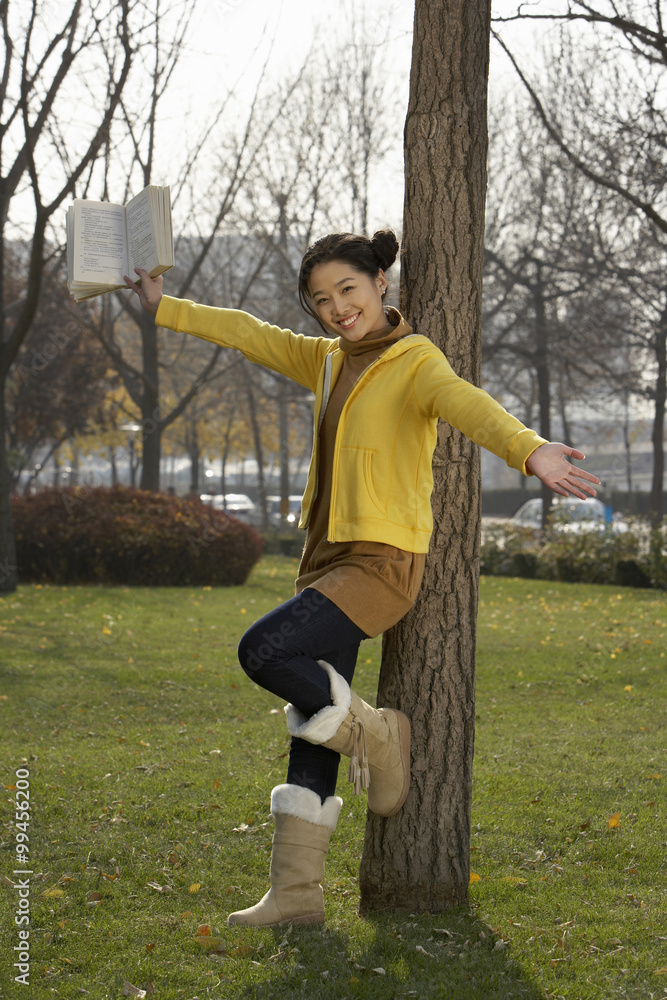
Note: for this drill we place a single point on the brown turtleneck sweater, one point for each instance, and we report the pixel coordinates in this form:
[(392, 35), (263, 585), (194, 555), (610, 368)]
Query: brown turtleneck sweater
[(372, 583)]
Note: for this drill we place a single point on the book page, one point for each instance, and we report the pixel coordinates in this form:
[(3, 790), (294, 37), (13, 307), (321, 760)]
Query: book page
[(100, 253), (141, 248)]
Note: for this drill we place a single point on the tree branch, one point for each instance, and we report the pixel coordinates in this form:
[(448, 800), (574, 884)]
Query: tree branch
[(554, 133)]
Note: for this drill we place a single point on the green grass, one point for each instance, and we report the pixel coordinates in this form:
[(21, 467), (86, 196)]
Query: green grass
[(151, 760)]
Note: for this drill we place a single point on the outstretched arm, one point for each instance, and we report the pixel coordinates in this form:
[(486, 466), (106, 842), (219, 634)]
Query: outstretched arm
[(297, 356), (150, 290), (550, 463)]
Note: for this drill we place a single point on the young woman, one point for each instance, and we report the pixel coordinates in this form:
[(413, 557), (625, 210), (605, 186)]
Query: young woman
[(379, 392)]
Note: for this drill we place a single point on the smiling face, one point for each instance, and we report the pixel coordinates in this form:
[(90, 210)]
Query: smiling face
[(346, 300)]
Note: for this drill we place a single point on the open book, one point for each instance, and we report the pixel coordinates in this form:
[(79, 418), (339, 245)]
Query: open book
[(106, 241)]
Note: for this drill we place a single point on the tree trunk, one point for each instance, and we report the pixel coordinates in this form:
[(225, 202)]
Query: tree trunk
[(151, 425), (419, 859), (658, 433), (543, 379), (194, 454), (112, 465), (8, 569), (259, 451), (283, 424)]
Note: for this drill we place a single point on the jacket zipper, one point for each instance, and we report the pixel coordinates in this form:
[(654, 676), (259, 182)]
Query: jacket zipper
[(326, 392)]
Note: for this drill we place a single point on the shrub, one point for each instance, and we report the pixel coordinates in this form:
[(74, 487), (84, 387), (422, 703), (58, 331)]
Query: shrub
[(634, 558), (127, 536), (509, 550), (284, 542), (586, 556)]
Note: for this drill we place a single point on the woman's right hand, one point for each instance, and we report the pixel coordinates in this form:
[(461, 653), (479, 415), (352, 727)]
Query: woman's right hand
[(150, 290)]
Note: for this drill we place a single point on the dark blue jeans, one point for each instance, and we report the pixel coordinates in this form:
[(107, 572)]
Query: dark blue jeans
[(280, 652)]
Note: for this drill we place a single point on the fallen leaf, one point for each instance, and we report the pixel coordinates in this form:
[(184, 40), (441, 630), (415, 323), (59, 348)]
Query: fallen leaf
[(53, 892), (204, 929), (210, 943), (423, 951), (474, 877), (95, 897), (242, 951), (149, 947), (614, 821), (132, 991), (195, 887)]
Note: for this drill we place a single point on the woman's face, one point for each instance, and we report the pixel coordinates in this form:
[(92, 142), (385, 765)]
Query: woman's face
[(348, 302)]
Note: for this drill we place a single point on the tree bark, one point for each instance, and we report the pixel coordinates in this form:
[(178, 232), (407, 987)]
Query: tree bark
[(151, 424), (543, 378), (8, 569), (419, 859), (658, 432)]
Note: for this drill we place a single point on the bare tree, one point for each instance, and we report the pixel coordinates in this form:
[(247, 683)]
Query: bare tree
[(642, 37), (46, 52), (542, 262), (602, 105), (56, 385)]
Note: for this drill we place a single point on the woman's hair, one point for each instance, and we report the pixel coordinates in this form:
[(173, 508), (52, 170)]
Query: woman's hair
[(363, 254)]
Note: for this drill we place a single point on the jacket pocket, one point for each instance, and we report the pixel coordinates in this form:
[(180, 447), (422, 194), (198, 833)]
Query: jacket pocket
[(355, 490), (368, 462)]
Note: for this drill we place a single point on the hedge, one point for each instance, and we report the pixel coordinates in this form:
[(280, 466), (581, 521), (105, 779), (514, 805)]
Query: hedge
[(634, 558), (121, 535)]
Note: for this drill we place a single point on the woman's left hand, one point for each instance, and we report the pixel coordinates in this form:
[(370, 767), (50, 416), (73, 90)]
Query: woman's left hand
[(550, 463)]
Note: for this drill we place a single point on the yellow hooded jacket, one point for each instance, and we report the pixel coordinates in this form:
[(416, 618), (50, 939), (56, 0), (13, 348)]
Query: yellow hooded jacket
[(381, 478)]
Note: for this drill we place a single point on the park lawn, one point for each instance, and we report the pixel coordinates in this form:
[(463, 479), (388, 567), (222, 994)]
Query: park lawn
[(151, 758)]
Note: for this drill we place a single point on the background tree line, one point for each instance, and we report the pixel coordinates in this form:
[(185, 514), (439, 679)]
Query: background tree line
[(575, 307)]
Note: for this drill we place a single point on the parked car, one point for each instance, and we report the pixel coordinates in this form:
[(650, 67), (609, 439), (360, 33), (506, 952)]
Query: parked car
[(273, 506), (568, 514), (236, 504)]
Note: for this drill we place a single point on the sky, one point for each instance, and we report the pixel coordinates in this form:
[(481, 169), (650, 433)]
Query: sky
[(231, 39)]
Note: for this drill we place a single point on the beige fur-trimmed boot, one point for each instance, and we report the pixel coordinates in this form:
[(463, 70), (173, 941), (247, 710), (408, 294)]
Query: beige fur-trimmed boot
[(303, 827), (377, 741)]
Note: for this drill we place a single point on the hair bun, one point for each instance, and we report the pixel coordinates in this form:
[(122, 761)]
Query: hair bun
[(385, 247)]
